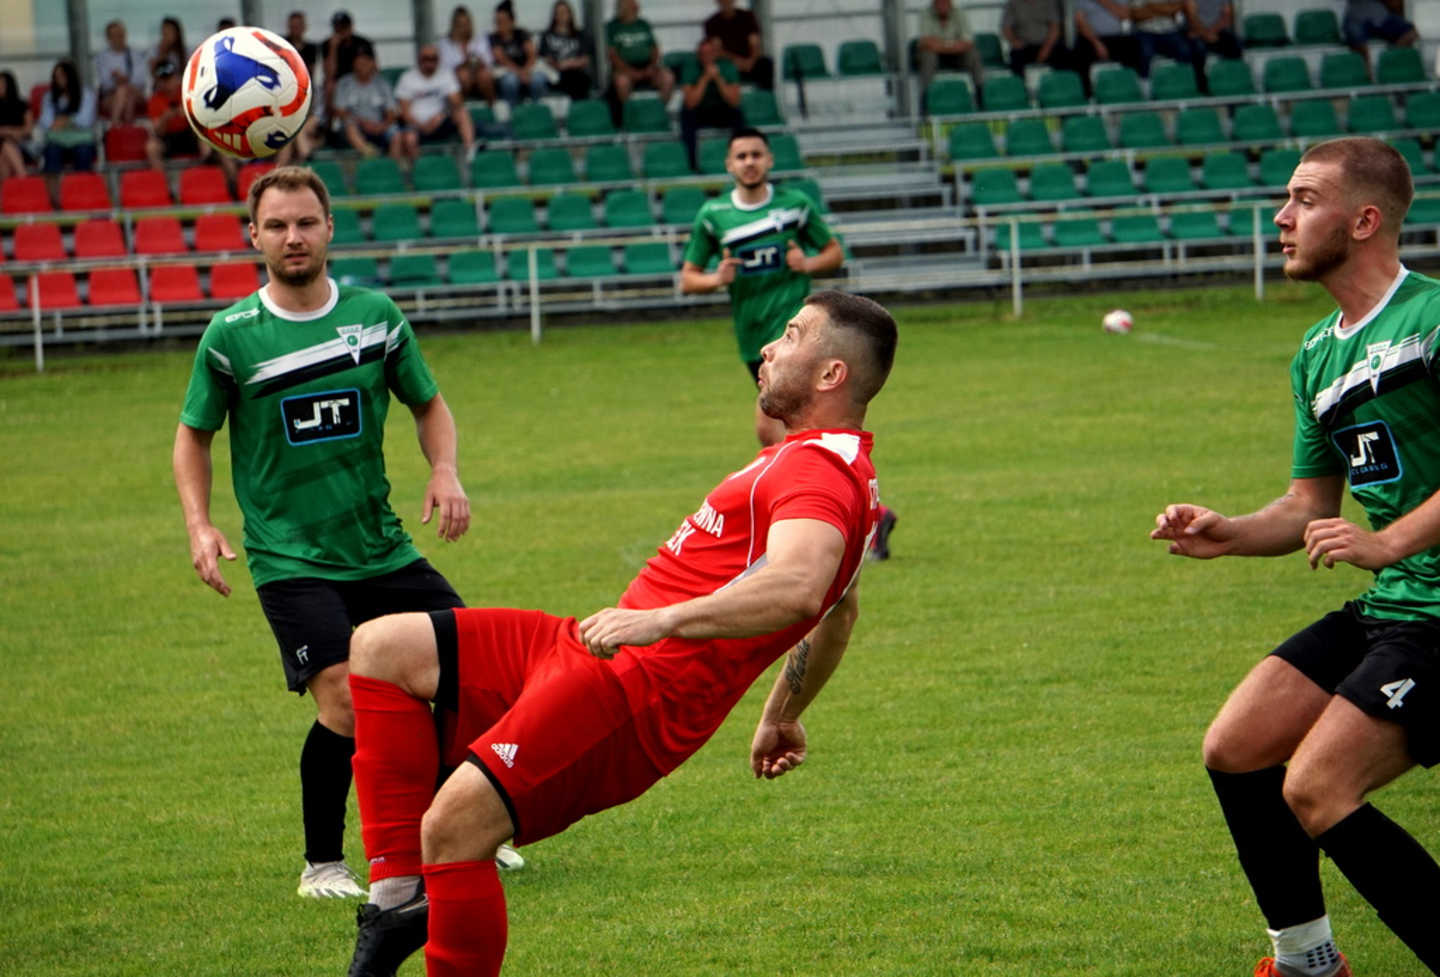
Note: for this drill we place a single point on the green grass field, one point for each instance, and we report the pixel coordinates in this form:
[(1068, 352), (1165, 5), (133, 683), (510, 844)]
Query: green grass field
[(1005, 774)]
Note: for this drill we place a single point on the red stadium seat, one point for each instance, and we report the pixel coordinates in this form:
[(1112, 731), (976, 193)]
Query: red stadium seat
[(144, 188), (247, 175), (57, 290), (204, 185), (159, 235), (25, 195), (125, 144), (99, 238), (175, 283), (114, 286), (8, 302), (39, 242), (84, 191), (219, 232), (37, 98), (233, 280)]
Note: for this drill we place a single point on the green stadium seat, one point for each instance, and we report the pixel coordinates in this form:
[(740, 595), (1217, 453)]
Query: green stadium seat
[(481, 115), (1286, 74), (1424, 210), (949, 95), (589, 117), (760, 108), (356, 271), (712, 154), (679, 205), (1230, 78), (1004, 93), (1059, 90), (1142, 130), (1312, 119), (1399, 66), (1136, 229), (994, 186), (988, 46), (647, 258), (1053, 181), (436, 173), (1225, 171), (530, 121), (1117, 86), (972, 140), (803, 61), (1371, 113), (347, 226), (628, 208), (1195, 224), (1084, 134), (570, 212), (379, 175), (517, 265), (331, 175), (1414, 155), (512, 215), (811, 189), (1317, 27), (1032, 236), (681, 62), (665, 160), (549, 166), (1344, 69), (392, 75), (608, 163), (492, 169), (859, 57), (413, 271), (472, 268), (1078, 232), (1256, 123), (454, 218), (786, 151), (1198, 127), (1276, 166), (1167, 174), (1109, 178), (1422, 110), (395, 222), (1173, 81), (1241, 220), (644, 114), (1028, 137), (590, 261), (1264, 30)]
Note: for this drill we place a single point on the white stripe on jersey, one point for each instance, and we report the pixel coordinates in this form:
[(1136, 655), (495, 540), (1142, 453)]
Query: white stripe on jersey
[(775, 221), (1362, 374), (319, 353), (222, 362)]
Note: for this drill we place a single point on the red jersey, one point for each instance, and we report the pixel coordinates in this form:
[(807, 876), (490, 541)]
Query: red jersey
[(692, 685)]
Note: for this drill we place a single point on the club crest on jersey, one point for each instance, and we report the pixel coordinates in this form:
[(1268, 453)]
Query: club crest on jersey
[(350, 336), (327, 416), (1370, 452), (1375, 360)]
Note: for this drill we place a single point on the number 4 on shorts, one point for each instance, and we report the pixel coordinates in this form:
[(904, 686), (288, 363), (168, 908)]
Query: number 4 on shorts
[(1396, 691)]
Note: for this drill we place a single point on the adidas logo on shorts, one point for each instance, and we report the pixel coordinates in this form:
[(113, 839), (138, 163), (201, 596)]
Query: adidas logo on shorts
[(506, 752)]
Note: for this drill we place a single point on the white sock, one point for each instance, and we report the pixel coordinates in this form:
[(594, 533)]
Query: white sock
[(394, 891), (1306, 950)]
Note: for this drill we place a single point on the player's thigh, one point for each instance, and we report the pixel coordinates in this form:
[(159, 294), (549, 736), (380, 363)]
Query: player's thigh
[(311, 624), (1346, 755), (398, 648), (417, 586)]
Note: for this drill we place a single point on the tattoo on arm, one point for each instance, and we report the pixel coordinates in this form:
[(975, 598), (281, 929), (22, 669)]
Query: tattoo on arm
[(795, 666)]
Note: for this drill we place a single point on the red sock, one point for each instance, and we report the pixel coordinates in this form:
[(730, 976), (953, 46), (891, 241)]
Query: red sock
[(396, 759), (468, 925)]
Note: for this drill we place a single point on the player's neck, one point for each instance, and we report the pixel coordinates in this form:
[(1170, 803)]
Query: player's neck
[(1361, 285), (827, 418), (302, 298), (752, 196)]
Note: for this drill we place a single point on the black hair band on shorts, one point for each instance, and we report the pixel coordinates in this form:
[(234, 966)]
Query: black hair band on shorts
[(447, 647)]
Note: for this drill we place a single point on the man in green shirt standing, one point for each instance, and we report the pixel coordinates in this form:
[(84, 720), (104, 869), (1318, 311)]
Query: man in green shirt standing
[(634, 58)]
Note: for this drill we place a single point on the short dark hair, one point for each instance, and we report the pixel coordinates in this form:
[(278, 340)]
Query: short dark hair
[(748, 132), (869, 322), (288, 178), (1373, 170)]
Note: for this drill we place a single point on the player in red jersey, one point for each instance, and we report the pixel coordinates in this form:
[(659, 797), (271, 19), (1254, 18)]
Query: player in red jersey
[(559, 719)]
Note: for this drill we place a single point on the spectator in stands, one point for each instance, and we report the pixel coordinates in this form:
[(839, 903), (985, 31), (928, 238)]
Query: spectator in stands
[(1377, 20), (565, 51), (739, 34), (338, 52), (67, 120), (429, 101), (468, 55), (316, 131), (945, 43), (365, 107), (634, 58), (711, 95), (517, 66), (1035, 31), (295, 29), (1159, 31), (1212, 26), (170, 135), (1100, 36), (118, 76), (16, 123), (171, 47)]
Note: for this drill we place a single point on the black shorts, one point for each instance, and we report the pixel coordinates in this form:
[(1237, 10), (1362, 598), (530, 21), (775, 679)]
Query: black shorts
[(312, 618), (1389, 669)]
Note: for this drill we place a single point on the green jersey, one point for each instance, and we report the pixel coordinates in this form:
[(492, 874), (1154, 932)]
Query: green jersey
[(1367, 406), (634, 42), (307, 395), (765, 292)]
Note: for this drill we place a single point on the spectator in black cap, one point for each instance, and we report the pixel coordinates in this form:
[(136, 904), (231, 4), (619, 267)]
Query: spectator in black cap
[(339, 53)]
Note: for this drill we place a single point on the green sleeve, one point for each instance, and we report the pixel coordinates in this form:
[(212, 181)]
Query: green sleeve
[(406, 371), (1313, 455), (212, 385), (814, 233), (702, 245)]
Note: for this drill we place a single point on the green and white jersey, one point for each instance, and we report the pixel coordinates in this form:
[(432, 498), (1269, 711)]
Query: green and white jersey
[(633, 42), (307, 395), (765, 292), (1367, 406)]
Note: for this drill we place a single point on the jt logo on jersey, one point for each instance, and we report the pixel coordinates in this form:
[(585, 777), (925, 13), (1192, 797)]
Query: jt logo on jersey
[(321, 416), (1370, 452), (757, 261)]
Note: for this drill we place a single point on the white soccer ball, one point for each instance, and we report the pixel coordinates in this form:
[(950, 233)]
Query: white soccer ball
[(246, 92), (1117, 321)]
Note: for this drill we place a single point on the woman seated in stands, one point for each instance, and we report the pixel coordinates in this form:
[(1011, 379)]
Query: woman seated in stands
[(67, 120), (565, 52), (468, 55), (517, 71), (16, 122)]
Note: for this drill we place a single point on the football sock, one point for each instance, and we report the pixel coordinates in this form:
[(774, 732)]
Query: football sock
[(396, 757), (394, 891), (324, 788), (1279, 859), (1394, 874), (1307, 950), (468, 924)]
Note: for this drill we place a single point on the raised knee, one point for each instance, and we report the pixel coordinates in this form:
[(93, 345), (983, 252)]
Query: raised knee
[(1306, 802), (1220, 753), (366, 644)]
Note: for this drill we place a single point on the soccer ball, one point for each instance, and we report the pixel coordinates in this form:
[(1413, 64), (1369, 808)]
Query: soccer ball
[(246, 92), (1117, 321)]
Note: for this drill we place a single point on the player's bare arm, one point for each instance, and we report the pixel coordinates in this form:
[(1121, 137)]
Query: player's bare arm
[(695, 279), (829, 258), (1275, 530), (191, 463), (1335, 540), (435, 427), (802, 556)]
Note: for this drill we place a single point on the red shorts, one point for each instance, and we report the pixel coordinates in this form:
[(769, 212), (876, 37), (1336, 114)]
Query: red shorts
[(547, 721)]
